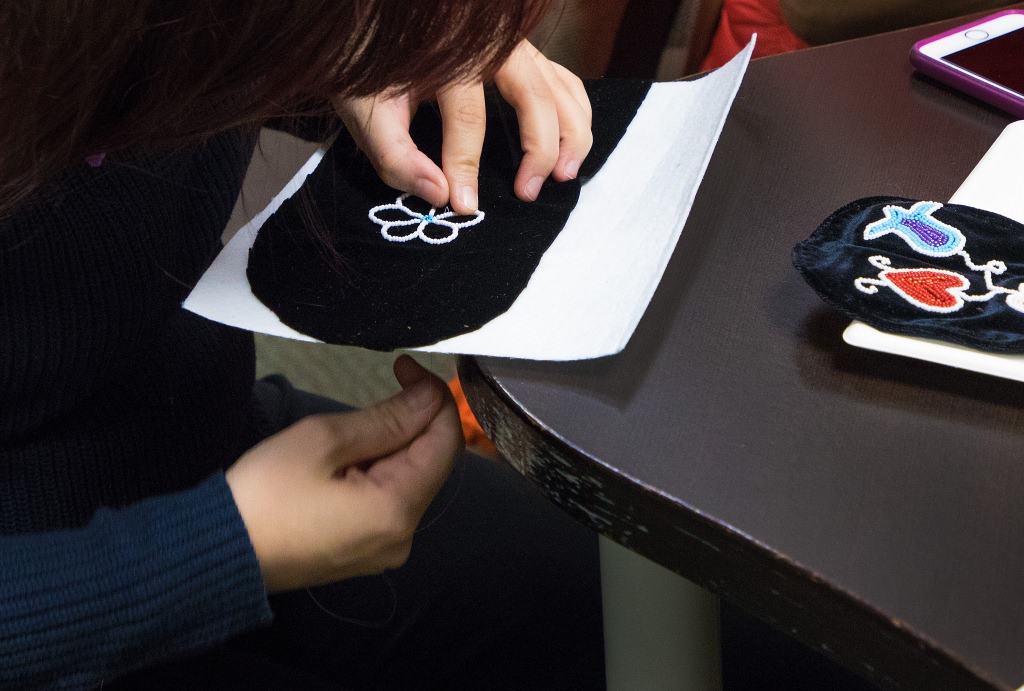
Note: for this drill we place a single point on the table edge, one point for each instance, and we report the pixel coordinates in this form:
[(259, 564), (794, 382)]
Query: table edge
[(743, 571)]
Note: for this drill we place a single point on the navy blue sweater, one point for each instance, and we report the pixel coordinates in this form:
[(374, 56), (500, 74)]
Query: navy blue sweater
[(119, 540)]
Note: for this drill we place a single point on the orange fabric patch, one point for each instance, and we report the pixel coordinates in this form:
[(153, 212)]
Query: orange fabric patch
[(471, 429)]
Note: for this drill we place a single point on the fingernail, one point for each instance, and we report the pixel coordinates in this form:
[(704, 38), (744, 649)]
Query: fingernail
[(572, 169), (533, 187), (468, 198), (422, 393)]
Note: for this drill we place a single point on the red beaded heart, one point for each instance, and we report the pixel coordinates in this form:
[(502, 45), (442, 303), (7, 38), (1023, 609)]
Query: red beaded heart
[(936, 290)]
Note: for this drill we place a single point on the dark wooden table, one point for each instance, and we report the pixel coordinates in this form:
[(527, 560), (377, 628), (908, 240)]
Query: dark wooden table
[(866, 504)]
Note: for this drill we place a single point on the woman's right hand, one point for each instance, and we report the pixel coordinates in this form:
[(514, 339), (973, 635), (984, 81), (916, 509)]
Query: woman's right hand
[(337, 496), (554, 126)]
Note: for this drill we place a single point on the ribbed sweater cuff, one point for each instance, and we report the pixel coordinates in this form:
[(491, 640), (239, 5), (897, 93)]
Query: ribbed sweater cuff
[(163, 577)]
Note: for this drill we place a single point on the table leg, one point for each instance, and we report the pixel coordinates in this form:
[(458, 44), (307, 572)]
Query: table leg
[(661, 631)]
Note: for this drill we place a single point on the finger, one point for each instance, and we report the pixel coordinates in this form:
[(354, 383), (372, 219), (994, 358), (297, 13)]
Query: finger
[(574, 88), (408, 372), (445, 415), (419, 470), (442, 441), (464, 121), (527, 89), (380, 128), (365, 436), (575, 118)]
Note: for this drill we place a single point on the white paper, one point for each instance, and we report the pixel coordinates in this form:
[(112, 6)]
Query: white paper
[(594, 283), (995, 184), (223, 293)]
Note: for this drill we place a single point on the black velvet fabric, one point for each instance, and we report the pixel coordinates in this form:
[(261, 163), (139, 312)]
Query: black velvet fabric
[(365, 290), (839, 254)]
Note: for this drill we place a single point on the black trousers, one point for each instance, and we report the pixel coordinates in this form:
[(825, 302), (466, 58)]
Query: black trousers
[(501, 591)]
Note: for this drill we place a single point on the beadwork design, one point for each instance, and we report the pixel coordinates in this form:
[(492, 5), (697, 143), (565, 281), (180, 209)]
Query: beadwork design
[(919, 229), (931, 289), (906, 268), (935, 290), (409, 217)]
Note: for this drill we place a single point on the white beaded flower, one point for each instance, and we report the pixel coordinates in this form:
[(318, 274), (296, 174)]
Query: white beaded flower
[(408, 218)]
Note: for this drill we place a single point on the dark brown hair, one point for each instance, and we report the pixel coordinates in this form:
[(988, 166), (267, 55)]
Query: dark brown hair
[(78, 77)]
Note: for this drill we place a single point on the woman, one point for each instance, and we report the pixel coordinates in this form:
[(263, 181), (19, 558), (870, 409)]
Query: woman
[(150, 496)]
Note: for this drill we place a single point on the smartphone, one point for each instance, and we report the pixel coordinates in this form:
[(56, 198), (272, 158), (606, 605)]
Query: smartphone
[(984, 59)]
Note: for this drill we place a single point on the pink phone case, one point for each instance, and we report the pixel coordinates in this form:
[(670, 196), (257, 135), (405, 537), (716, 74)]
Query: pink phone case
[(947, 75)]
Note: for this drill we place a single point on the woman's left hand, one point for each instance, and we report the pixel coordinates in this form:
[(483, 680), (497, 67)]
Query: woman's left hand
[(554, 123)]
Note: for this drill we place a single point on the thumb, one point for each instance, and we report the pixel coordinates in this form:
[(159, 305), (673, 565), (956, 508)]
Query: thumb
[(366, 435), (380, 127), (463, 122)]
